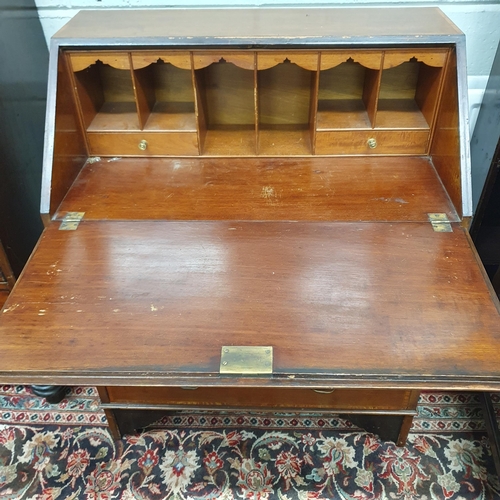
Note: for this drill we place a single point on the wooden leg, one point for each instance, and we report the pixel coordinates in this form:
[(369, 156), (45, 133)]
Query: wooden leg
[(123, 422), (114, 429), (52, 393), (492, 428), (404, 430), (388, 427)]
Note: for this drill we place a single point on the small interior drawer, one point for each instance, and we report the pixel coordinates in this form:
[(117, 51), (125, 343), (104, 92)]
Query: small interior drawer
[(249, 397), (371, 142), (144, 144)]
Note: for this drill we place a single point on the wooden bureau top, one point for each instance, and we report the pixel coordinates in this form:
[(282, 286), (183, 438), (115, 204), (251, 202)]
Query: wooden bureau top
[(285, 26), (346, 304)]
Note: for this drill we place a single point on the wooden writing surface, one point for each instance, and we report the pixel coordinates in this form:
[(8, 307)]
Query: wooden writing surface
[(154, 301), (341, 189)]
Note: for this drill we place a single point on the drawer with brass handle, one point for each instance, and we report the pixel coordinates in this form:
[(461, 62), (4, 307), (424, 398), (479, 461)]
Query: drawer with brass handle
[(372, 142), (143, 143)]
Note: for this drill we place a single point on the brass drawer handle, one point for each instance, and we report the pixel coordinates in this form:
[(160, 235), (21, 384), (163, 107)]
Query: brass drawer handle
[(189, 388), (143, 145), (372, 143), (324, 391)]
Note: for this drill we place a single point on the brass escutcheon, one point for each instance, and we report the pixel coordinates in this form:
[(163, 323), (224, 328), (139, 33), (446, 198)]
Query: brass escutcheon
[(143, 145), (372, 143)]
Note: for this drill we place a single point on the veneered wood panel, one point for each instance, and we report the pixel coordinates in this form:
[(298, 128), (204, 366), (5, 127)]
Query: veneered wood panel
[(179, 59), (228, 95), (248, 397), (306, 60), (70, 147), (269, 25), (384, 189), (428, 91), (284, 95), (432, 57), (445, 148), (230, 141), (84, 59), (152, 301), (397, 142), (368, 58), (157, 143), (244, 60)]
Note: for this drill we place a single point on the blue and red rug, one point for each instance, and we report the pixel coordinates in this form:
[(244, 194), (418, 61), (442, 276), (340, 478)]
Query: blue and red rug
[(65, 452)]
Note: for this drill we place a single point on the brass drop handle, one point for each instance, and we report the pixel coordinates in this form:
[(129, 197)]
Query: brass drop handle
[(324, 391), (189, 387), (143, 145), (372, 143)]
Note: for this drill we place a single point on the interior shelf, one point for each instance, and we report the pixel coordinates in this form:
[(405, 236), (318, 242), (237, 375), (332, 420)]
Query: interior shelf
[(408, 96), (165, 97), (226, 104), (115, 117), (107, 98), (285, 140), (226, 141), (400, 114), (172, 116), (339, 114), (262, 103), (347, 96)]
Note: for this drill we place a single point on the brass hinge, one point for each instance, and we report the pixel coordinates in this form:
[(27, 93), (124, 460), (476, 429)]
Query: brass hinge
[(246, 360), (71, 220), (440, 223)]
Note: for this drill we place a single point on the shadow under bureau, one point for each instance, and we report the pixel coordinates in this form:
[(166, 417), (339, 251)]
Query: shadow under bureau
[(256, 209)]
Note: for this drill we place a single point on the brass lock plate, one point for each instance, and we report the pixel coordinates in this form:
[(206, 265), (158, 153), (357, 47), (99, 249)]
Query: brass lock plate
[(246, 360)]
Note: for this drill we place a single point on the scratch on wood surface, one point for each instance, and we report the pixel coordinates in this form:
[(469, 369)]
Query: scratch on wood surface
[(268, 192), (11, 308), (392, 200), (52, 268)]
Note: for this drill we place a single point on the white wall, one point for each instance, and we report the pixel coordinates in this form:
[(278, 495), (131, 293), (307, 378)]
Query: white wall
[(480, 21)]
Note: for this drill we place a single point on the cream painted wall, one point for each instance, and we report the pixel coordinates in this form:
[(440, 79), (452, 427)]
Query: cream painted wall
[(479, 21)]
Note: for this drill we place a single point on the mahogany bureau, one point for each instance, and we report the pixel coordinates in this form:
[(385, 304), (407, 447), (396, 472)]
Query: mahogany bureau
[(256, 209)]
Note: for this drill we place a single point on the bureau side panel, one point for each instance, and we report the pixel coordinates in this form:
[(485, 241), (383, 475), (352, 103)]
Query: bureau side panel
[(445, 148), (65, 149)]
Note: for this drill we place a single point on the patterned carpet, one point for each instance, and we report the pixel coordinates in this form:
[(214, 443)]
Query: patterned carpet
[(65, 452)]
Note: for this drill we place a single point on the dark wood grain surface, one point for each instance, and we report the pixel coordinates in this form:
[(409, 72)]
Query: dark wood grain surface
[(279, 25), (343, 189), (151, 302)]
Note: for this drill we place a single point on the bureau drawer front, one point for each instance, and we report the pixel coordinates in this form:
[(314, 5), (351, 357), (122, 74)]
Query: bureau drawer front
[(298, 399), (143, 144), (372, 142)]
